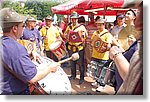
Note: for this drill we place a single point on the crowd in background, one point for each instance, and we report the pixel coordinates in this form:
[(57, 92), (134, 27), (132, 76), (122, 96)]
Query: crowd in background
[(97, 44)]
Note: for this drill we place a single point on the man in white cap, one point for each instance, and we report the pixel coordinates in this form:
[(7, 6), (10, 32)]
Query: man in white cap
[(17, 67)]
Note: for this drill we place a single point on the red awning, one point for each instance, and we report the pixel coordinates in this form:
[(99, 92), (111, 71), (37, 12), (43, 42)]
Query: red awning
[(81, 5)]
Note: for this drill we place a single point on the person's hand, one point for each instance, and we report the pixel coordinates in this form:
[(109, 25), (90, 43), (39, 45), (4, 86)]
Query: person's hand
[(131, 40), (53, 67), (41, 53), (33, 55), (113, 51)]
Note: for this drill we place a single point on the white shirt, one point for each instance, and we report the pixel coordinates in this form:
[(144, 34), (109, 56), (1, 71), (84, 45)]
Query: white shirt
[(116, 29)]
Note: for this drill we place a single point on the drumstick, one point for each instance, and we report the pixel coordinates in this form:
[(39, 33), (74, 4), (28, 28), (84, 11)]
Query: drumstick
[(74, 57)]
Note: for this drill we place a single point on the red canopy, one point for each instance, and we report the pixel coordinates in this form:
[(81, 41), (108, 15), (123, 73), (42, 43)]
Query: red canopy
[(81, 5)]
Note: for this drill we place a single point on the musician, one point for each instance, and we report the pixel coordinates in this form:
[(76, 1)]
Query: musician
[(32, 34), (76, 34), (129, 64), (101, 42), (50, 34), (129, 30), (132, 41), (16, 58)]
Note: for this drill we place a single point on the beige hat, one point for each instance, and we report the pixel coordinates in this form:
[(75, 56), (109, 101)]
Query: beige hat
[(49, 18), (8, 17), (31, 19), (100, 20), (74, 15)]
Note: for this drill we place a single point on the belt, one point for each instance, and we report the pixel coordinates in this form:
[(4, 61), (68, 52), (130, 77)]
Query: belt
[(75, 48)]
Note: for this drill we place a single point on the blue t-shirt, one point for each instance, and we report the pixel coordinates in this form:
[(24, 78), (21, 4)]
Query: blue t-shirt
[(32, 35), (17, 58)]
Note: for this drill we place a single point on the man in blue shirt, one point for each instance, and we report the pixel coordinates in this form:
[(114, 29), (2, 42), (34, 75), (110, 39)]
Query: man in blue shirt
[(32, 34), (16, 57)]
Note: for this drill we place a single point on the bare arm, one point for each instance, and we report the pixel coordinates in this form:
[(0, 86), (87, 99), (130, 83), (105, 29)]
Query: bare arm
[(122, 64)]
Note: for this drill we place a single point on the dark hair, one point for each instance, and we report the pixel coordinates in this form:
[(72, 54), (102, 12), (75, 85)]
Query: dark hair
[(81, 19), (115, 22), (110, 24), (97, 17), (8, 29), (132, 12)]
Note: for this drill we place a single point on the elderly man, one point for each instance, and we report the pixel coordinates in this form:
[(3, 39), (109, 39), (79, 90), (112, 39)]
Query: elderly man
[(32, 34), (17, 67)]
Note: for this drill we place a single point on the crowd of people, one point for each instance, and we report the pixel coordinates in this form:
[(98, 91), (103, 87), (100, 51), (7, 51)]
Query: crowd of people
[(97, 45)]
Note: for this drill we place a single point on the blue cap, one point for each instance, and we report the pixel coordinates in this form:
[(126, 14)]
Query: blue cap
[(120, 16)]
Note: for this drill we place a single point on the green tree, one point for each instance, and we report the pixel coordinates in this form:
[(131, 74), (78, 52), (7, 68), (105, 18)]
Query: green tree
[(36, 8), (18, 8), (41, 8)]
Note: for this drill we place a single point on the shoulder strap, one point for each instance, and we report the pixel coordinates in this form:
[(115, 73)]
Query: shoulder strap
[(70, 27), (101, 34), (77, 26)]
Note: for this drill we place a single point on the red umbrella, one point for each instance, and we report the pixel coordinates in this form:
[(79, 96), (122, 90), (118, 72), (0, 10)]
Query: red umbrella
[(81, 5)]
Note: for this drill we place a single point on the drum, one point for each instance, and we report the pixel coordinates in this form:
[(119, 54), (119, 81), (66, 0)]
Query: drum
[(30, 46), (59, 49), (53, 83)]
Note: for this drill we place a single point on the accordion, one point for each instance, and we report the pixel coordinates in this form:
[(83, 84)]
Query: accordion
[(74, 37)]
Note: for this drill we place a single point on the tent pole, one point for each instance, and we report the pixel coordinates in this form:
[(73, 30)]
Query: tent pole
[(105, 9)]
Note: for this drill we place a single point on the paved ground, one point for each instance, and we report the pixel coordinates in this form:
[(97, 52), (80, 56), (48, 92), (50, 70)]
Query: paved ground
[(86, 88)]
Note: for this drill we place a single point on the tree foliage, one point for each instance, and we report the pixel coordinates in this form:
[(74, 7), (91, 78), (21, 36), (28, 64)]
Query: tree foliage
[(18, 8), (36, 8), (41, 8)]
